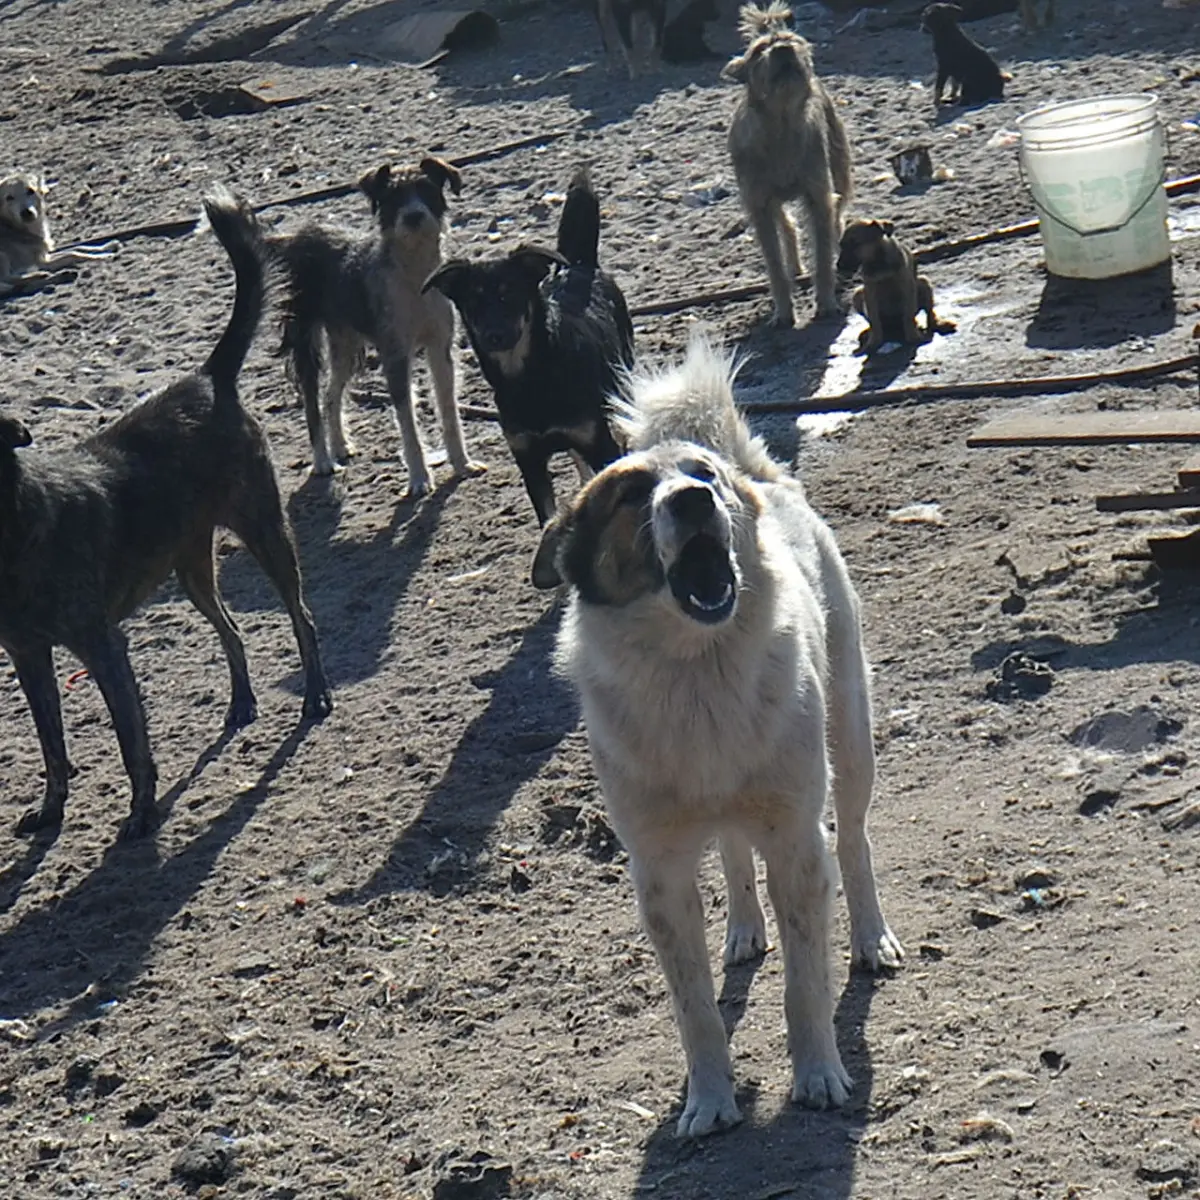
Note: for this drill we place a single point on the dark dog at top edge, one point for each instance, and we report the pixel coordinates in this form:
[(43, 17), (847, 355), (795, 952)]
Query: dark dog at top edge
[(892, 292), (552, 334), (88, 533), (971, 71), (644, 36)]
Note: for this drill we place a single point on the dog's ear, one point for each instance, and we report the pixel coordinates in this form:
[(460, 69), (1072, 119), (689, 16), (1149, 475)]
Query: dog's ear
[(374, 184), (536, 261), (736, 69), (449, 278), (955, 11), (442, 173), (14, 434), (545, 573), (886, 228)]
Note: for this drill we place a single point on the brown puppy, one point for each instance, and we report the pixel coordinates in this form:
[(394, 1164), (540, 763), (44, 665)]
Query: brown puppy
[(788, 143), (892, 292)]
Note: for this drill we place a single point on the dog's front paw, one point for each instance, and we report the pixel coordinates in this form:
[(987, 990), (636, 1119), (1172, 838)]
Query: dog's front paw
[(877, 950), (141, 821), (783, 318), (418, 487), (38, 819), (318, 704), (821, 1084), (242, 710), (470, 467), (708, 1110), (344, 450), (323, 467)]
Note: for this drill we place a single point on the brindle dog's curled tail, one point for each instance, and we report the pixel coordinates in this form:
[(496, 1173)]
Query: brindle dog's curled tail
[(238, 231)]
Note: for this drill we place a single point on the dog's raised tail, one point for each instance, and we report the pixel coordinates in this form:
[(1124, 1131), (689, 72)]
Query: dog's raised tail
[(692, 401), (238, 231), (579, 226)]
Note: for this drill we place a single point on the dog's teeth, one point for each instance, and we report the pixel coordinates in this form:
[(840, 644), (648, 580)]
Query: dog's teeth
[(715, 604)]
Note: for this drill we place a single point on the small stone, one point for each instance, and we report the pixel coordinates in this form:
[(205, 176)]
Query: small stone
[(983, 918), (141, 1114), (479, 1177), (1034, 877), (207, 1158), (79, 1073), (1166, 1161)]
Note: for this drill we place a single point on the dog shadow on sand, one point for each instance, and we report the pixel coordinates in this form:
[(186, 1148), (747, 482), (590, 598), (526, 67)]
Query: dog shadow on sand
[(91, 945), (779, 1149), (530, 711)]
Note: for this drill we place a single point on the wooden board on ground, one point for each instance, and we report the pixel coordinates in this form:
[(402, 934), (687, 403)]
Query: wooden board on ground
[(1096, 428), (1189, 473), (1142, 501)]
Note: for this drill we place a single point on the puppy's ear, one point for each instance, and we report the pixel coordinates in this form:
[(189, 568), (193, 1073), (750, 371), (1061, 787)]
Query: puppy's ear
[(545, 573), (442, 173), (374, 184), (449, 279), (955, 11), (886, 228), (13, 434), (536, 261), (736, 69)]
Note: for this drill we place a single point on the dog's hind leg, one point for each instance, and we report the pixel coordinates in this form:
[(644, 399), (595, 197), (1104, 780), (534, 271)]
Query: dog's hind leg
[(35, 670), (746, 932), (259, 521), (194, 567), (800, 880), (107, 660), (397, 368), (441, 371), (852, 755), (766, 222), (823, 229), (664, 875), (343, 359), (302, 342)]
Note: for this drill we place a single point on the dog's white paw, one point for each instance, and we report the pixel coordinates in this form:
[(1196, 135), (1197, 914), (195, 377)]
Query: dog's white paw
[(821, 1084), (877, 949), (418, 486), (344, 449), (708, 1110), (745, 940), (323, 466)]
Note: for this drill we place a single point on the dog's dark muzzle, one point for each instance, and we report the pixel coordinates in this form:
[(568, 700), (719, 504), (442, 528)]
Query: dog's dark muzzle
[(414, 218), (785, 65), (497, 338), (702, 580)]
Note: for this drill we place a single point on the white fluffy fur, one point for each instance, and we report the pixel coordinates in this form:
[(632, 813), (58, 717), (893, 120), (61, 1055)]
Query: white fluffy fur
[(741, 731)]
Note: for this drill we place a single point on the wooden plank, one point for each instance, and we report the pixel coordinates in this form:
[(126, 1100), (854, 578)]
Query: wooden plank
[(1141, 501), (1095, 428), (1176, 552), (1189, 473)]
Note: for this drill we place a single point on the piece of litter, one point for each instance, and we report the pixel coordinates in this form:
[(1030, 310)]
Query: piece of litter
[(17, 1030), (984, 1127), (954, 1157), (1003, 137), (918, 514), (639, 1109), (943, 174), (343, 775), (962, 127), (464, 576)]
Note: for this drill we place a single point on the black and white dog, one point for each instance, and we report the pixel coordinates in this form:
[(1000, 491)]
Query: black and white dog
[(552, 333)]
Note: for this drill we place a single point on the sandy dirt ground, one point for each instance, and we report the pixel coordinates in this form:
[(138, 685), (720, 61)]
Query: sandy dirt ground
[(396, 954)]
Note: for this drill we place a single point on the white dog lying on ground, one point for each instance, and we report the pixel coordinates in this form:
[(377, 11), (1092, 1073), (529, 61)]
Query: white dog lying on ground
[(714, 636)]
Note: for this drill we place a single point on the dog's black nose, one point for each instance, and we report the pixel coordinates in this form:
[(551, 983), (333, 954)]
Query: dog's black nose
[(29, 214), (694, 505)]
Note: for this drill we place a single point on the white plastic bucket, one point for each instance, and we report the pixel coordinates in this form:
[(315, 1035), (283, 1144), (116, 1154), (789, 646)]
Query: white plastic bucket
[(1095, 169)]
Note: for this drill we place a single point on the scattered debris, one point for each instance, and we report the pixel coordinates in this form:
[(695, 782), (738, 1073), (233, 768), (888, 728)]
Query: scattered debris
[(1020, 677), (1184, 819), (207, 1158), (1166, 1161), (638, 1109), (1054, 1060), (983, 1127), (479, 1177), (985, 918), (1125, 732), (16, 1030), (1034, 877), (1002, 138), (1101, 793), (954, 1157), (1041, 899), (917, 514)]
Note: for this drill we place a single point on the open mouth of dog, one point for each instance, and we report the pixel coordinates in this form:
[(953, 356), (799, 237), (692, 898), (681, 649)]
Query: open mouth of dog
[(702, 580)]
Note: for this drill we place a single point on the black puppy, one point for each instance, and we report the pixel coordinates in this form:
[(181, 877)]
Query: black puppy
[(683, 37), (550, 347), (88, 533), (973, 74)]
